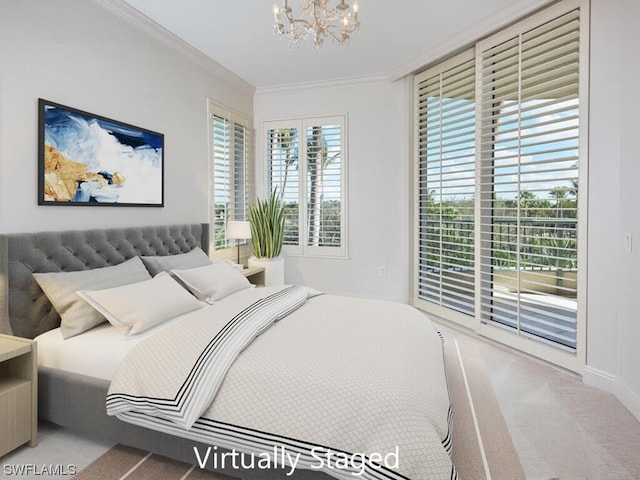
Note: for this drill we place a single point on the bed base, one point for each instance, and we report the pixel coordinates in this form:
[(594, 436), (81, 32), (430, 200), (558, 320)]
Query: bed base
[(78, 402)]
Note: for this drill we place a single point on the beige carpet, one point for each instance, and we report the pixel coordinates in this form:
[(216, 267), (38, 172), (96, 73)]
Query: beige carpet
[(482, 446), (132, 464)]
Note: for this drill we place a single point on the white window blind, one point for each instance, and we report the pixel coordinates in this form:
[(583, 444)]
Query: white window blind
[(306, 162), (498, 156), (230, 151), (446, 184), (529, 176), (284, 174), (324, 185)]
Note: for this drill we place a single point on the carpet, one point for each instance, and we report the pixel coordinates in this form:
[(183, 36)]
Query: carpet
[(122, 462), (482, 446)]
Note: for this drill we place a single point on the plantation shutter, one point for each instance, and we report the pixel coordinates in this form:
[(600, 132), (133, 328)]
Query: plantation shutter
[(284, 174), (324, 157), (445, 123), (241, 143), (528, 145), (231, 146), (221, 179)]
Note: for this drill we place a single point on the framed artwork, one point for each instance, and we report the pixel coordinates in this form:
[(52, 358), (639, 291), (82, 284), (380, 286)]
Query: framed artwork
[(86, 159)]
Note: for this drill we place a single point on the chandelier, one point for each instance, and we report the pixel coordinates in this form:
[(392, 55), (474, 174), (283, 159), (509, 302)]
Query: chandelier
[(316, 22)]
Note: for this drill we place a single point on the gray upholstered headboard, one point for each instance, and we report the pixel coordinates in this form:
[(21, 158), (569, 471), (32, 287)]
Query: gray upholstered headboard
[(24, 309)]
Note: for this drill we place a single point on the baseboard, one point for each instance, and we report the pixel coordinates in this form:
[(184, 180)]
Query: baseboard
[(609, 383), (629, 399), (599, 378)]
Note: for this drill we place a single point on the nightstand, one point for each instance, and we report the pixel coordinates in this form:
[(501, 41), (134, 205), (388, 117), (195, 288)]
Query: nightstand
[(18, 393), (255, 275)]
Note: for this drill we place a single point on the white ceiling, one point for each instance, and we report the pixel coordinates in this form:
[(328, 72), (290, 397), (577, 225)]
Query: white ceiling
[(396, 36)]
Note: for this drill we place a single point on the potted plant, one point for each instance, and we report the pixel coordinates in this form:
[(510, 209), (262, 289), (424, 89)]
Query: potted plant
[(267, 232)]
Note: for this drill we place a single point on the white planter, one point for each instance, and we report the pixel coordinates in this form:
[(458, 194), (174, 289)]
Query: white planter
[(273, 269)]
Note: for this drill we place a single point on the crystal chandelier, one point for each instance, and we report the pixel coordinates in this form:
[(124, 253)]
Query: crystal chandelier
[(317, 21)]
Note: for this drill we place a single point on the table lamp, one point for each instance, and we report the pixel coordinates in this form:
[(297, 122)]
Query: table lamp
[(238, 231)]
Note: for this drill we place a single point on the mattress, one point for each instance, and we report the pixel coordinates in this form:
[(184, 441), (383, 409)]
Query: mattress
[(94, 353)]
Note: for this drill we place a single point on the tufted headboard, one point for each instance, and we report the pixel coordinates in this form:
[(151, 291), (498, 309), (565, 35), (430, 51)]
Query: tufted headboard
[(24, 309)]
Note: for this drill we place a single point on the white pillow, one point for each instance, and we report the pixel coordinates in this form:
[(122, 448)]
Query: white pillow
[(163, 263), (213, 282), (142, 305), (61, 287)]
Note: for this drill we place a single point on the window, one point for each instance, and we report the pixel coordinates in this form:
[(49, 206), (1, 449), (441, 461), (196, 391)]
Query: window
[(498, 156), (306, 163), (230, 160)]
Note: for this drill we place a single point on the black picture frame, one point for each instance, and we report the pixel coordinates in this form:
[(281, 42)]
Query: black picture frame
[(86, 159)]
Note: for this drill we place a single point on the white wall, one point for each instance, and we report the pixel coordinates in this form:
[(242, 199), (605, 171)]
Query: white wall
[(614, 274), (77, 53), (604, 256), (378, 172)]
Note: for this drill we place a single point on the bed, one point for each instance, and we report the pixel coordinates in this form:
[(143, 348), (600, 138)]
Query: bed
[(75, 398)]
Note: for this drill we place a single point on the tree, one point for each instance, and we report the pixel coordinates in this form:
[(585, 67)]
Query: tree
[(559, 193), (286, 140)]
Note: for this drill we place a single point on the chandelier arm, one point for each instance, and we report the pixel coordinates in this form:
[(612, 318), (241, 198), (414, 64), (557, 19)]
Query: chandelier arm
[(344, 36), (306, 23)]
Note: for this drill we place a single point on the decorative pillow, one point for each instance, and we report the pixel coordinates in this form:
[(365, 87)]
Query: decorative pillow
[(142, 305), (61, 287), (213, 282), (163, 263)]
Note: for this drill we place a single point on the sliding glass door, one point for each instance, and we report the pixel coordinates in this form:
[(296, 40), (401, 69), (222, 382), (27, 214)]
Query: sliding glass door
[(499, 155)]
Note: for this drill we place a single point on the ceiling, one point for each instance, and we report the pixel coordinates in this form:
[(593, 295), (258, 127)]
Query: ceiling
[(395, 36)]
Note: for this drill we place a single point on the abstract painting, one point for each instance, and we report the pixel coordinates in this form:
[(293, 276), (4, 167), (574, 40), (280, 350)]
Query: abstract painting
[(86, 159)]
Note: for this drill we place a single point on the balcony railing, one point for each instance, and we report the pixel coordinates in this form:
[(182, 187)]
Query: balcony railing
[(531, 263)]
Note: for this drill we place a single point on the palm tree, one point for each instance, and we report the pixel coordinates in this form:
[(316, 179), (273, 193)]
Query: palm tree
[(559, 193), (285, 139)]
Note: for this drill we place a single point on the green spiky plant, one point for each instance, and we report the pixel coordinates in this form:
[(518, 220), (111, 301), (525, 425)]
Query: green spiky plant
[(267, 226)]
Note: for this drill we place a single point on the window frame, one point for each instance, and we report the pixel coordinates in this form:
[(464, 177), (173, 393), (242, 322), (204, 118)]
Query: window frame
[(302, 124)]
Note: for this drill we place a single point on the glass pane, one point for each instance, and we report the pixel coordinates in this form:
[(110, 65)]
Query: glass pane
[(447, 189), (324, 186), (240, 173), (530, 172), (221, 180), (283, 174)]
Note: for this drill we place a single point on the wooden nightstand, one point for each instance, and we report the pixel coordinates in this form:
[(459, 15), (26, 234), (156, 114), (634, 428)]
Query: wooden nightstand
[(18, 393), (255, 275)]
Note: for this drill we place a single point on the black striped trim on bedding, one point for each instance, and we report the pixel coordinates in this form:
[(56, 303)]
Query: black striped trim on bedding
[(251, 441), (290, 298), (247, 440), (255, 442)]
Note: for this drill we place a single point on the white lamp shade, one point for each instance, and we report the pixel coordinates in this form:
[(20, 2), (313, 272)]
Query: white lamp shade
[(238, 230)]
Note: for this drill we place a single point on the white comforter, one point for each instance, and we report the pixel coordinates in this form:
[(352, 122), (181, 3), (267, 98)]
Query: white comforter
[(346, 386)]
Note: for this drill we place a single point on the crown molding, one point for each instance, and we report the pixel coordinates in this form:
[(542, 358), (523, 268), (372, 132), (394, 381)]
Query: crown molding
[(122, 9), (324, 84), (467, 37)]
